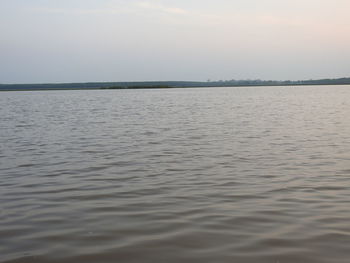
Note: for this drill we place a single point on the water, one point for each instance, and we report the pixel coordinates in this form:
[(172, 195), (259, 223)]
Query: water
[(181, 175)]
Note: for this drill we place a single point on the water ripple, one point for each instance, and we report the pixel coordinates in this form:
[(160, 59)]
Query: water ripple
[(183, 175)]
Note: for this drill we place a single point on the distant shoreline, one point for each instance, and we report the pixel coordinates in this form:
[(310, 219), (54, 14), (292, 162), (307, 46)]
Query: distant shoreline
[(169, 85)]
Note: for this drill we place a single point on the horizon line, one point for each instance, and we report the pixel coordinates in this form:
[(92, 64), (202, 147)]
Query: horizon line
[(174, 81)]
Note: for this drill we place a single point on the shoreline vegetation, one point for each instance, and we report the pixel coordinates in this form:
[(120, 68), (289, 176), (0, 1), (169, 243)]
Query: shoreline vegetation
[(169, 84), (139, 87)]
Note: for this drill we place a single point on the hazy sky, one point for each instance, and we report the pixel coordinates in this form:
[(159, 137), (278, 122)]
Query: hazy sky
[(127, 40)]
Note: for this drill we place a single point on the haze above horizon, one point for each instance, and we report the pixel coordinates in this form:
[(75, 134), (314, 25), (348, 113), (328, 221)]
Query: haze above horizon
[(135, 40)]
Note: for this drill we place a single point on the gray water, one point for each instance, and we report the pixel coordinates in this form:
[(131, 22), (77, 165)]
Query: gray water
[(180, 175)]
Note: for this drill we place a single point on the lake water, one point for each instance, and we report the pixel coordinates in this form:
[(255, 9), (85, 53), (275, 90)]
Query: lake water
[(179, 175)]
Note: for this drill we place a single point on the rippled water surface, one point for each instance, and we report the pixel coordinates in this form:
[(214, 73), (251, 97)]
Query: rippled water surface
[(180, 175)]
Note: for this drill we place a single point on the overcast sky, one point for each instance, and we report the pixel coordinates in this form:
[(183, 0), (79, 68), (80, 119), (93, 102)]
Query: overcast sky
[(136, 40)]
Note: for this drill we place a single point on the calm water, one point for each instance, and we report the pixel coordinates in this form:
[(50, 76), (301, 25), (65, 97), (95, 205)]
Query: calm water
[(181, 175)]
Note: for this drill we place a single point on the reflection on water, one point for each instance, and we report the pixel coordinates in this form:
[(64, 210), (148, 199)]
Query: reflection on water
[(181, 175)]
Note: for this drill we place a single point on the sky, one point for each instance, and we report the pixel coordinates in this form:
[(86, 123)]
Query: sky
[(142, 40)]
